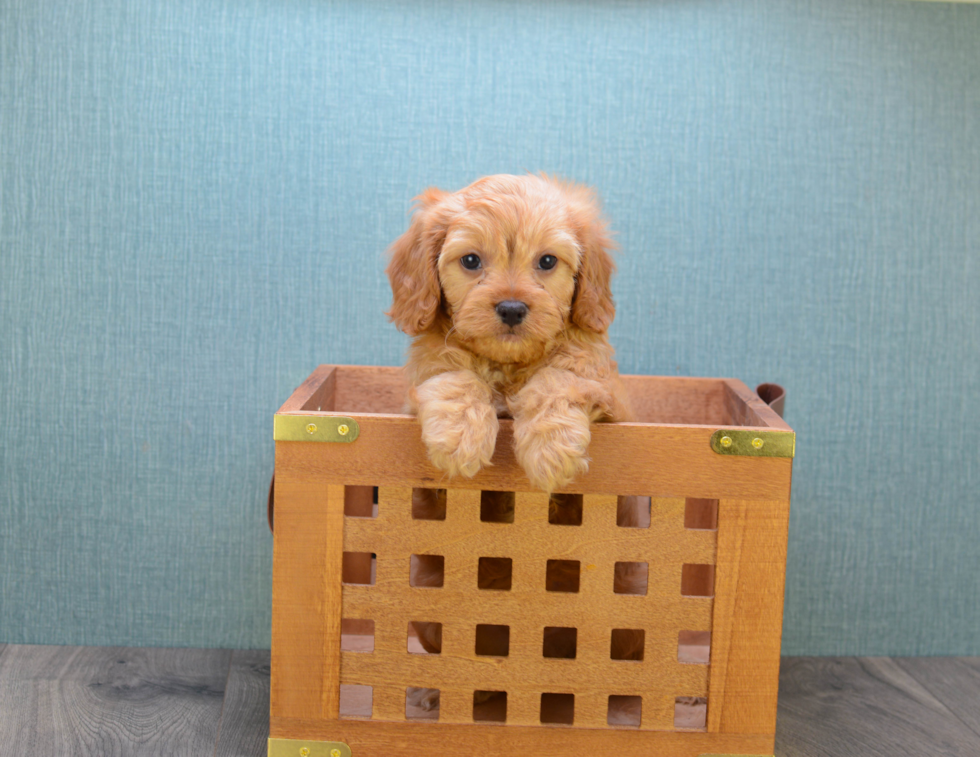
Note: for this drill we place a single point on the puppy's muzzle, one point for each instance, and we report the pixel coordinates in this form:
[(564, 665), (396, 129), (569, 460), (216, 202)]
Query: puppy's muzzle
[(511, 312)]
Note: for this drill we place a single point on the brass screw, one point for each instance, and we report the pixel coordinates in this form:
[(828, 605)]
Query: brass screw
[(310, 428), (304, 751), (334, 753), (343, 429), (757, 443), (726, 441)]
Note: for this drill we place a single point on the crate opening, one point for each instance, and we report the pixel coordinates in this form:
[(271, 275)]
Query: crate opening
[(356, 635), (492, 640), (424, 637), (627, 644), (565, 509), (562, 575), (497, 507), (560, 642), (633, 511), (359, 568), (624, 710), (558, 709), (421, 703), (361, 501), (427, 571), (697, 580), (356, 701), (701, 514), (429, 504), (694, 647), (490, 706), (495, 573), (690, 712), (631, 578)]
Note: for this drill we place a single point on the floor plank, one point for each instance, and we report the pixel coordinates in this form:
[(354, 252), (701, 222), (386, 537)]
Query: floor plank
[(244, 728), (954, 680), (111, 700), (863, 707)]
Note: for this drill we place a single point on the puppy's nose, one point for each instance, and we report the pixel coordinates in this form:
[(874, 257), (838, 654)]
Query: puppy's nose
[(511, 312)]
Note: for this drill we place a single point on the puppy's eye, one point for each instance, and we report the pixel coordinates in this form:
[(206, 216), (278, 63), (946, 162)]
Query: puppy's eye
[(547, 262), (470, 262)]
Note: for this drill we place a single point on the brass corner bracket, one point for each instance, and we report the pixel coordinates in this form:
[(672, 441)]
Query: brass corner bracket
[(315, 428), (304, 748), (754, 443)]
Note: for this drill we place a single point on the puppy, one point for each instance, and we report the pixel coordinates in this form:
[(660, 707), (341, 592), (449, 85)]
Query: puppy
[(504, 287)]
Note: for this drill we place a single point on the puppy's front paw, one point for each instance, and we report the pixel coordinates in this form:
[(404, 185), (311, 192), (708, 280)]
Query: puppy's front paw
[(459, 425), (424, 699), (552, 446)]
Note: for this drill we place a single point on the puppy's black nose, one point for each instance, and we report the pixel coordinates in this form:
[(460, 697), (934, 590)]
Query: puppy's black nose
[(511, 312)]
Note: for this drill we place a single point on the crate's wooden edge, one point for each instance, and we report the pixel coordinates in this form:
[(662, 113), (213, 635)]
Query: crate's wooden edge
[(372, 738)]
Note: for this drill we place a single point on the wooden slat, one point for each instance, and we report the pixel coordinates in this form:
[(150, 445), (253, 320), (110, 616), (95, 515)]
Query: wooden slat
[(748, 610), (245, 716), (654, 399), (110, 700), (377, 739), (660, 461), (315, 393), (305, 585)]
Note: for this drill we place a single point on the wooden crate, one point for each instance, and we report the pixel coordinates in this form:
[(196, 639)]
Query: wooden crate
[(716, 462)]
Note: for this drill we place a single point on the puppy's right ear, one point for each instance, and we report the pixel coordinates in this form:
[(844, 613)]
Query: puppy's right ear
[(416, 294)]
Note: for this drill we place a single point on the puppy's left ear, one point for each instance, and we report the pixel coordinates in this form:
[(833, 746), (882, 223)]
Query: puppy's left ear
[(592, 308)]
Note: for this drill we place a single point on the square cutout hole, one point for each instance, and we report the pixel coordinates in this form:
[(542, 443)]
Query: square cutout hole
[(633, 512), (495, 573), (631, 578), (701, 514), (429, 504), (421, 703), (361, 501), (694, 647), (625, 711), (492, 640), (497, 507), (427, 571), (558, 709), (690, 712), (359, 568), (562, 575), (560, 643), (356, 635), (356, 701), (490, 706), (424, 638), (627, 644), (697, 580), (565, 509)]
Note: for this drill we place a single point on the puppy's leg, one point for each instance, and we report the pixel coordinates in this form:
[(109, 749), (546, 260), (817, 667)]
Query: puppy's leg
[(425, 699), (552, 415), (459, 423)]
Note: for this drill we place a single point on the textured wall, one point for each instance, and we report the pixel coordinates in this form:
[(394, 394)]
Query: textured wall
[(196, 198)]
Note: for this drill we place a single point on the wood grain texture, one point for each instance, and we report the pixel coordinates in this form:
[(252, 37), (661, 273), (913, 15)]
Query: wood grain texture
[(370, 739), (655, 399), (627, 458), (244, 729), (306, 593), (955, 681), (527, 608), (747, 618), (110, 700), (867, 707)]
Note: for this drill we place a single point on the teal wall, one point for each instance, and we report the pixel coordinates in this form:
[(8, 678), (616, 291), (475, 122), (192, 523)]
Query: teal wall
[(195, 199)]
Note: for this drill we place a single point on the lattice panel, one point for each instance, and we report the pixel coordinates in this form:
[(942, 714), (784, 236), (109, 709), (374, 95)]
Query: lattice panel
[(538, 689)]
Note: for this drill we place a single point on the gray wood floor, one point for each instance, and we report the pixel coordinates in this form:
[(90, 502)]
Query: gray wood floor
[(109, 701)]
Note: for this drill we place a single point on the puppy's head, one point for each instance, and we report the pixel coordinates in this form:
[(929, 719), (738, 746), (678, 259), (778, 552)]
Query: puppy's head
[(507, 263)]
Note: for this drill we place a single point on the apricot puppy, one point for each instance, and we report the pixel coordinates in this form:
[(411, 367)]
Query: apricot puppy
[(504, 286)]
